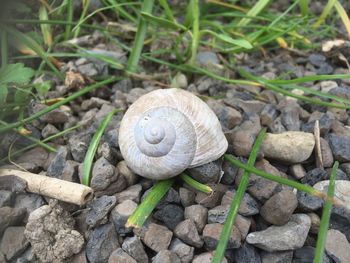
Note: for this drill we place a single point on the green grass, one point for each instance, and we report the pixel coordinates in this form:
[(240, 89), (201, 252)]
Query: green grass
[(90, 154), (233, 211), (326, 215)]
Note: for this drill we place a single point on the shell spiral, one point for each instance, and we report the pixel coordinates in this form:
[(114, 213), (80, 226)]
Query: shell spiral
[(167, 131)]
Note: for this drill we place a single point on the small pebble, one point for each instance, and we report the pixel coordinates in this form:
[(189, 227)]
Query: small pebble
[(211, 236), (289, 147), (277, 257), (278, 238), (337, 246), (133, 246), (170, 215), (247, 254), (120, 215), (99, 209), (157, 237), (198, 214), (340, 146), (183, 251), (279, 208), (119, 256), (187, 232), (166, 256), (297, 170)]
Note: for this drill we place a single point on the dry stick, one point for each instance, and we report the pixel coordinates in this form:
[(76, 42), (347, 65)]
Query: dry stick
[(52, 187)]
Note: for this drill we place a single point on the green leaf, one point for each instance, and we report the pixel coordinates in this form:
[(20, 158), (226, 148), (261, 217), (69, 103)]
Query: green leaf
[(42, 88), (15, 73), (238, 42), (162, 22), (226, 38), (3, 93)]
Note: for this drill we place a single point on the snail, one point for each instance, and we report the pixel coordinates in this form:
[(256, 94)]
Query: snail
[(166, 131)]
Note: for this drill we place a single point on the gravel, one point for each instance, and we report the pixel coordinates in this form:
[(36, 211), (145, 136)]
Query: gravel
[(185, 225)]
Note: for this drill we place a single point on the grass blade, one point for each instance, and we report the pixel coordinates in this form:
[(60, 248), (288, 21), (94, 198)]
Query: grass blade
[(4, 48), (162, 22), (143, 211), (195, 30), (70, 11), (45, 28), (196, 185), (301, 187), (255, 10), (326, 214), (75, 95), (86, 4), (120, 10), (343, 15), (304, 7), (52, 137), (34, 46), (232, 213), (136, 51), (325, 13), (167, 10), (89, 157)]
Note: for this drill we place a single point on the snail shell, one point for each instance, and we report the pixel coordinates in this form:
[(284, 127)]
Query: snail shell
[(167, 131)]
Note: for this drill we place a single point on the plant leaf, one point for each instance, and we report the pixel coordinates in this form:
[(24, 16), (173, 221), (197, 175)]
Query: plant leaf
[(15, 73), (3, 93), (162, 22)]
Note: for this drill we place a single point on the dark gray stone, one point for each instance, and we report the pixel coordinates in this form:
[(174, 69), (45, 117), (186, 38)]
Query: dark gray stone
[(170, 215), (37, 156), (119, 256), (248, 206), (183, 251), (325, 69), (166, 256), (268, 114), (103, 174), (277, 257), (207, 173), (171, 197), (340, 146), (133, 246), (57, 165), (325, 124), (230, 172), (99, 209), (186, 196), (340, 220), (306, 255), (13, 242), (120, 215), (342, 92), (10, 217), (317, 59), (346, 168), (102, 242), (290, 118), (79, 144), (246, 254), (187, 232), (313, 176), (29, 201), (12, 183), (6, 198), (308, 203)]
